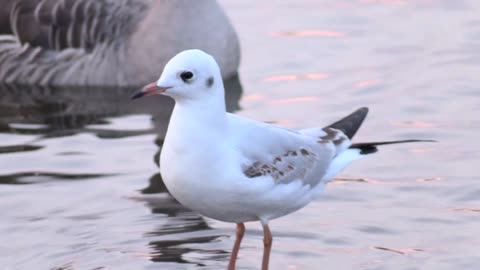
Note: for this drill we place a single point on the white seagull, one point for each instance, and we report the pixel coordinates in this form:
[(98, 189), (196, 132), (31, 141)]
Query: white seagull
[(235, 169)]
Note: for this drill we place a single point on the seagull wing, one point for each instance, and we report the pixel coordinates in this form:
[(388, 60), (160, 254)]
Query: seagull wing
[(286, 155)]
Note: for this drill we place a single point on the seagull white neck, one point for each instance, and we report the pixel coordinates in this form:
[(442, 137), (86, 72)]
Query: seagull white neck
[(195, 124), (194, 115)]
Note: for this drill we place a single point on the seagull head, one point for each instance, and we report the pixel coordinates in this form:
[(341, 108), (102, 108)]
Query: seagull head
[(189, 75)]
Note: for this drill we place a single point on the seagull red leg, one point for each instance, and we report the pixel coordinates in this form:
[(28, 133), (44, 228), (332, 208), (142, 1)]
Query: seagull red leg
[(267, 245), (236, 246)]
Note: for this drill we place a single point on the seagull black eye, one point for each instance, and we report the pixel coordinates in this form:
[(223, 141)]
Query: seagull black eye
[(186, 75)]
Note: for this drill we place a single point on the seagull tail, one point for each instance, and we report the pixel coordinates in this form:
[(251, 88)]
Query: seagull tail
[(371, 147), (351, 123)]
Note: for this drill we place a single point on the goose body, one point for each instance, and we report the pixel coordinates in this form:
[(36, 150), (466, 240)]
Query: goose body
[(108, 42)]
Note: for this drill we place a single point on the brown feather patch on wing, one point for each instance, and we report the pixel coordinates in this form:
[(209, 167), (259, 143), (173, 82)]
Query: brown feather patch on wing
[(284, 168), (332, 135)]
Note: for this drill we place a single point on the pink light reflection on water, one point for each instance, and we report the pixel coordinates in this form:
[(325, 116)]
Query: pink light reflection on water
[(253, 97), (430, 179), (466, 210), (366, 83), (419, 124), (308, 76), (420, 150), (294, 100), (386, 2), (309, 33), (343, 181)]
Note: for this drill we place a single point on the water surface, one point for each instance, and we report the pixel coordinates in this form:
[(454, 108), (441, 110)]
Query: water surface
[(79, 182)]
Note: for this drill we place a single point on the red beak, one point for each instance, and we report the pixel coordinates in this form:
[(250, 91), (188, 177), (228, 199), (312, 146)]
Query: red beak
[(149, 90)]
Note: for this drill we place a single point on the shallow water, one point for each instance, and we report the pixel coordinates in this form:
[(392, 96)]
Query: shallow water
[(79, 185)]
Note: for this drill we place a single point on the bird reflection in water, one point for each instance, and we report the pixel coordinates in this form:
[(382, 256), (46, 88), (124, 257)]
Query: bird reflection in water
[(59, 112), (180, 224)]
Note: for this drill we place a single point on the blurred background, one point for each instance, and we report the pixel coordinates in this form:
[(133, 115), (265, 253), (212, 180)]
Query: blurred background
[(79, 181)]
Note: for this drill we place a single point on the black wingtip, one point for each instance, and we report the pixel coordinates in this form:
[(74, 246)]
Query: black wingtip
[(351, 123), (371, 147)]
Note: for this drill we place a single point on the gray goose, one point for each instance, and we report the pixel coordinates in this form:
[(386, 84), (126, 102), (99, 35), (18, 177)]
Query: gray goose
[(108, 42)]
